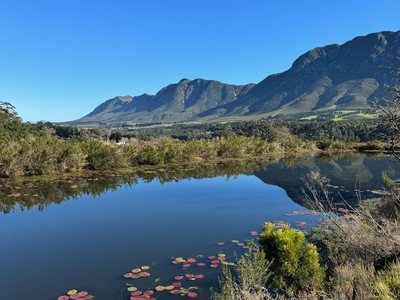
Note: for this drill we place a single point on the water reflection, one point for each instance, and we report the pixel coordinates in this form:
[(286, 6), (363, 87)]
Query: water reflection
[(351, 177), (125, 220), (39, 194), (347, 174)]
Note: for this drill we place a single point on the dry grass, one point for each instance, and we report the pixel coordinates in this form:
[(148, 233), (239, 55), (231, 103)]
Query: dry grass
[(358, 245)]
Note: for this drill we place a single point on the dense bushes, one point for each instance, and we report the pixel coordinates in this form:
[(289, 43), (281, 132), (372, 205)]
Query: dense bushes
[(38, 155)]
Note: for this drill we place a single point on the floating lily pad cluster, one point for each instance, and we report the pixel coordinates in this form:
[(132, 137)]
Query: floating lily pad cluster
[(302, 224), (76, 295), (178, 284), (303, 212), (278, 224), (138, 272), (212, 260), (174, 288)]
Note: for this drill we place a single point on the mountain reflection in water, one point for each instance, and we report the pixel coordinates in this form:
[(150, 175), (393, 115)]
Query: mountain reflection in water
[(350, 176), (347, 174)]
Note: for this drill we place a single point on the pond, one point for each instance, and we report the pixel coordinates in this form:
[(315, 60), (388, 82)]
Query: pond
[(85, 233)]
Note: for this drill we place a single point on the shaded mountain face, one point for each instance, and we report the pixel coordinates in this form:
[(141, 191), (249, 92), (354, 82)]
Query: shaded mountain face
[(348, 76), (176, 102)]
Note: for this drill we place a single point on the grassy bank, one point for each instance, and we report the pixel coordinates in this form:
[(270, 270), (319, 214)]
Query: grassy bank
[(44, 155)]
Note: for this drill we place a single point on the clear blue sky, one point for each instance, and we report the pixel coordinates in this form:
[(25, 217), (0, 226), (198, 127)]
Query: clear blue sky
[(62, 58)]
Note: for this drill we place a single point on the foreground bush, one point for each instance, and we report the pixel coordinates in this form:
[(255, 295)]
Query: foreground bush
[(295, 263)]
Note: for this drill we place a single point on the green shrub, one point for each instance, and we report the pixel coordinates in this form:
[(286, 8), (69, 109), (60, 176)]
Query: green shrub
[(130, 154), (10, 159), (150, 156), (387, 283), (295, 263), (249, 282), (387, 181), (324, 143), (171, 150), (102, 156)]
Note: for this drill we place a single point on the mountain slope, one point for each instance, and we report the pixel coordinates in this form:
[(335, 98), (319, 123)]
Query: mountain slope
[(176, 102), (348, 76), (345, 76)]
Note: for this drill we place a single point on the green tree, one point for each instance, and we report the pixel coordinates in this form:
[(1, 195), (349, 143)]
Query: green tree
[(11, 125), (8, 113)]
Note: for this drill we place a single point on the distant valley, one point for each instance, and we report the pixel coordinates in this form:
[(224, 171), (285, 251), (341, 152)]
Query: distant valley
[(325, 79)]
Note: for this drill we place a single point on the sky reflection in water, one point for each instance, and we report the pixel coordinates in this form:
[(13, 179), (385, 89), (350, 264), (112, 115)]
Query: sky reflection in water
[(89, 243)]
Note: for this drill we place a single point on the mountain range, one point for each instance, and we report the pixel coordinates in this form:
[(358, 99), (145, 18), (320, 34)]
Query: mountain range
[(333, 77)]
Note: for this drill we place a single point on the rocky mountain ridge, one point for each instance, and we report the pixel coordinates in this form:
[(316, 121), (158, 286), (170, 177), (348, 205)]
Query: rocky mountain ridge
[(333, 77)]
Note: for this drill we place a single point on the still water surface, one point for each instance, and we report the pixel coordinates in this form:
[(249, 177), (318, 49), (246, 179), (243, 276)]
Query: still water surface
[(89, 243)]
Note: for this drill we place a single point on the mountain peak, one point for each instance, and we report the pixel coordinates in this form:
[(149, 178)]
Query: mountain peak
[(347, 76), (126, 98)]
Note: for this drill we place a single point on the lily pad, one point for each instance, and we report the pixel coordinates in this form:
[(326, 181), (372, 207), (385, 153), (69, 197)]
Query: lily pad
[(220, 243), (136, 293), (145, 267), (82, 294), (144, 274), (148, 293), (72, 292), (176, 284), (198, 276), (132, 289), (159, 288), (191, 260), (215, 261), (179, 277), (175, 292), (192, 295), (137, 270), (169, 287), (186, 265), (200, 264), (63, 297), (211, 257)]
